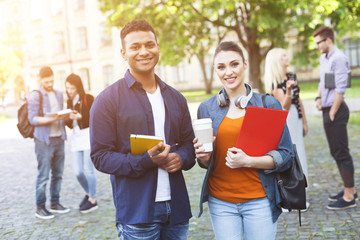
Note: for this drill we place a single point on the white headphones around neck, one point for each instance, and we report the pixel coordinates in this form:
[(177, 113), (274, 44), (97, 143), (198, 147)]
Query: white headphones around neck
[(241, 101)]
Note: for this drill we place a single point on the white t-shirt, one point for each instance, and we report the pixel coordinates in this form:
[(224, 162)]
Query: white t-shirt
[(54, 105), (163, 192)]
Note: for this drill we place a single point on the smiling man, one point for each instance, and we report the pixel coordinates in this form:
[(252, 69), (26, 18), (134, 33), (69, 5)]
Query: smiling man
[(149, 190)]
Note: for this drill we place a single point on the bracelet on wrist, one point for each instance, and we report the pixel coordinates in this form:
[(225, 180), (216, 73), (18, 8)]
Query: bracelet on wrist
[(318, 97), (287, 95)]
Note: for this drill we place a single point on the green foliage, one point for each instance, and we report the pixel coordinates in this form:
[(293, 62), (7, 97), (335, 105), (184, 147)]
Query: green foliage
[(10, 66), (192, 27)]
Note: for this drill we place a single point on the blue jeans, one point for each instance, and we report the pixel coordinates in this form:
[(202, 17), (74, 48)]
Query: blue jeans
[(158, 230), (251, 219), (49, 157), (84, 170)]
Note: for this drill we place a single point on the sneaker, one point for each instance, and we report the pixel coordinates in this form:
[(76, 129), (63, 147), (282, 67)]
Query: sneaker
[(85, 199), (58, 208), (88, 207), (341, 204), (43, 213), (334, 198)]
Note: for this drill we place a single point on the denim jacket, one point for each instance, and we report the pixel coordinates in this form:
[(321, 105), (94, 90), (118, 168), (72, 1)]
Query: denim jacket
[(42, 132), (283, 155)]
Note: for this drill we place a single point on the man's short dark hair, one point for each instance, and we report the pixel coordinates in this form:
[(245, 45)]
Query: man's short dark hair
[(46, 71), (135, 26), (325, 32)]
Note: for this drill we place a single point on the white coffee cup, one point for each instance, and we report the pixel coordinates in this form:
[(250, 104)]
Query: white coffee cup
[(204, 132)]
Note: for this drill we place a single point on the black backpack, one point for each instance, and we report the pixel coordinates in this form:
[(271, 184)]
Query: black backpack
[(24, 126)]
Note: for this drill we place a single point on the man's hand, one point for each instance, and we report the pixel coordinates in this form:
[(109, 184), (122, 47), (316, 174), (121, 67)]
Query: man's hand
[(159, 158), (318, 104), (173, 163)]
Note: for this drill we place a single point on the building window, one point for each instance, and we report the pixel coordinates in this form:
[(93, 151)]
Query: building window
[(82, 38), (352, 51), (85, 77), (36, 9), (79, 5), (60, 77), (108, 74), (180, 73), (39, 43), (57, 7), (105, 35), (59, 42)]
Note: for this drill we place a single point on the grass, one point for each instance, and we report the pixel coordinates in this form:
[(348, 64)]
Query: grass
[(2, 118), (308, 90), (198, 96), (355, 118)]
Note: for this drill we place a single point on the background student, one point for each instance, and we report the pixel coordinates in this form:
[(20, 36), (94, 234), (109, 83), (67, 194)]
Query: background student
[(83, 168)]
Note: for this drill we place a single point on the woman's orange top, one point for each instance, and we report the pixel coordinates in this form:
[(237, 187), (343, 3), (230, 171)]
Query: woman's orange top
[(227, 184)]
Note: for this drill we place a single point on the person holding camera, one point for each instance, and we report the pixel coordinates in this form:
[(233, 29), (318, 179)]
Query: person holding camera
[(283, 86)]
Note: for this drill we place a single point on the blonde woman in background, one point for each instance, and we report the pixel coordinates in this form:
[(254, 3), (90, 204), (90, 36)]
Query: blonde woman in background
[(283, 85)]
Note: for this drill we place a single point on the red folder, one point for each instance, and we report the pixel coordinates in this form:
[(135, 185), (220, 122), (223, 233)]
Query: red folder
[(261, 130)]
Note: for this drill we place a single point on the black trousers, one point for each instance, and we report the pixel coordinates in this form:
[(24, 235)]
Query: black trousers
[(336, 134)]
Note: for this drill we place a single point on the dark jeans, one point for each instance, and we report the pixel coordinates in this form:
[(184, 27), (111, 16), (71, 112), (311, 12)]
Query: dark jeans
[(49, 157), (336, 134), (158, 230)]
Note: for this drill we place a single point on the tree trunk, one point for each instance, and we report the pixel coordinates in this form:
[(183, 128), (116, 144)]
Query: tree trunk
[(254, 66), (207, 82), (254, 61)]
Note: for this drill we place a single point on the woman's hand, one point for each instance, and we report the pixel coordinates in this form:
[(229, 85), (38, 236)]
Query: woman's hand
[(236, 158), (200, 153), (75, 116), (290, 84), (305, 128)]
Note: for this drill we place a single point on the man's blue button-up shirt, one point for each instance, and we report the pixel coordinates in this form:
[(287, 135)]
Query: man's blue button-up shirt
[(123, 109)]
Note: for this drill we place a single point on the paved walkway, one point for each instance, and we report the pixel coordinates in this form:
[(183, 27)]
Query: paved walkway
[(17, 194)]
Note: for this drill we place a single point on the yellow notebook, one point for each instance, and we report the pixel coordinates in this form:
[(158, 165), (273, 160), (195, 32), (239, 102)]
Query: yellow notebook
[(141, 143)]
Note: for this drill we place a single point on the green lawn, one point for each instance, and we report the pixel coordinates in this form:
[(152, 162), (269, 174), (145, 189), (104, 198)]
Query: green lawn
[(308, 90), (2, 117), (355, 118)]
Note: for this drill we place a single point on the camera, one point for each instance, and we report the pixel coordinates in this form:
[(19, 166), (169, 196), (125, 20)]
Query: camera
[(291, 76)]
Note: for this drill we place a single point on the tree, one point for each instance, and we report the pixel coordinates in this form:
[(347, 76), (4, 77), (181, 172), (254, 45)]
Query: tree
[(187, 28), (10, 66)]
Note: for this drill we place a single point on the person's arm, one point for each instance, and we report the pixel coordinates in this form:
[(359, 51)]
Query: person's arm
[(236, 158), (107, 154), (284, 99), (318, 99), (33, 112), (338, 98), (203, 158), (340, 67), (304, 120)]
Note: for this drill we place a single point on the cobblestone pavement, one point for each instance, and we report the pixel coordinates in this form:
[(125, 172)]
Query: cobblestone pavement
[(17, 195)]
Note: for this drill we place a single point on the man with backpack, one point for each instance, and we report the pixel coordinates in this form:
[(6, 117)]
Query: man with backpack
[(49, 136)]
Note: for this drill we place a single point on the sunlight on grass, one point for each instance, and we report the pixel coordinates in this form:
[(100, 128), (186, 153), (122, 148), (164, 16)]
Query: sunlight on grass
[(308, 90), (3, 118), (355, 118)]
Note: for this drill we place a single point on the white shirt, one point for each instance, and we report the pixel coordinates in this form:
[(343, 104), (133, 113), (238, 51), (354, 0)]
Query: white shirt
[(163, 192), (54, 105)]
